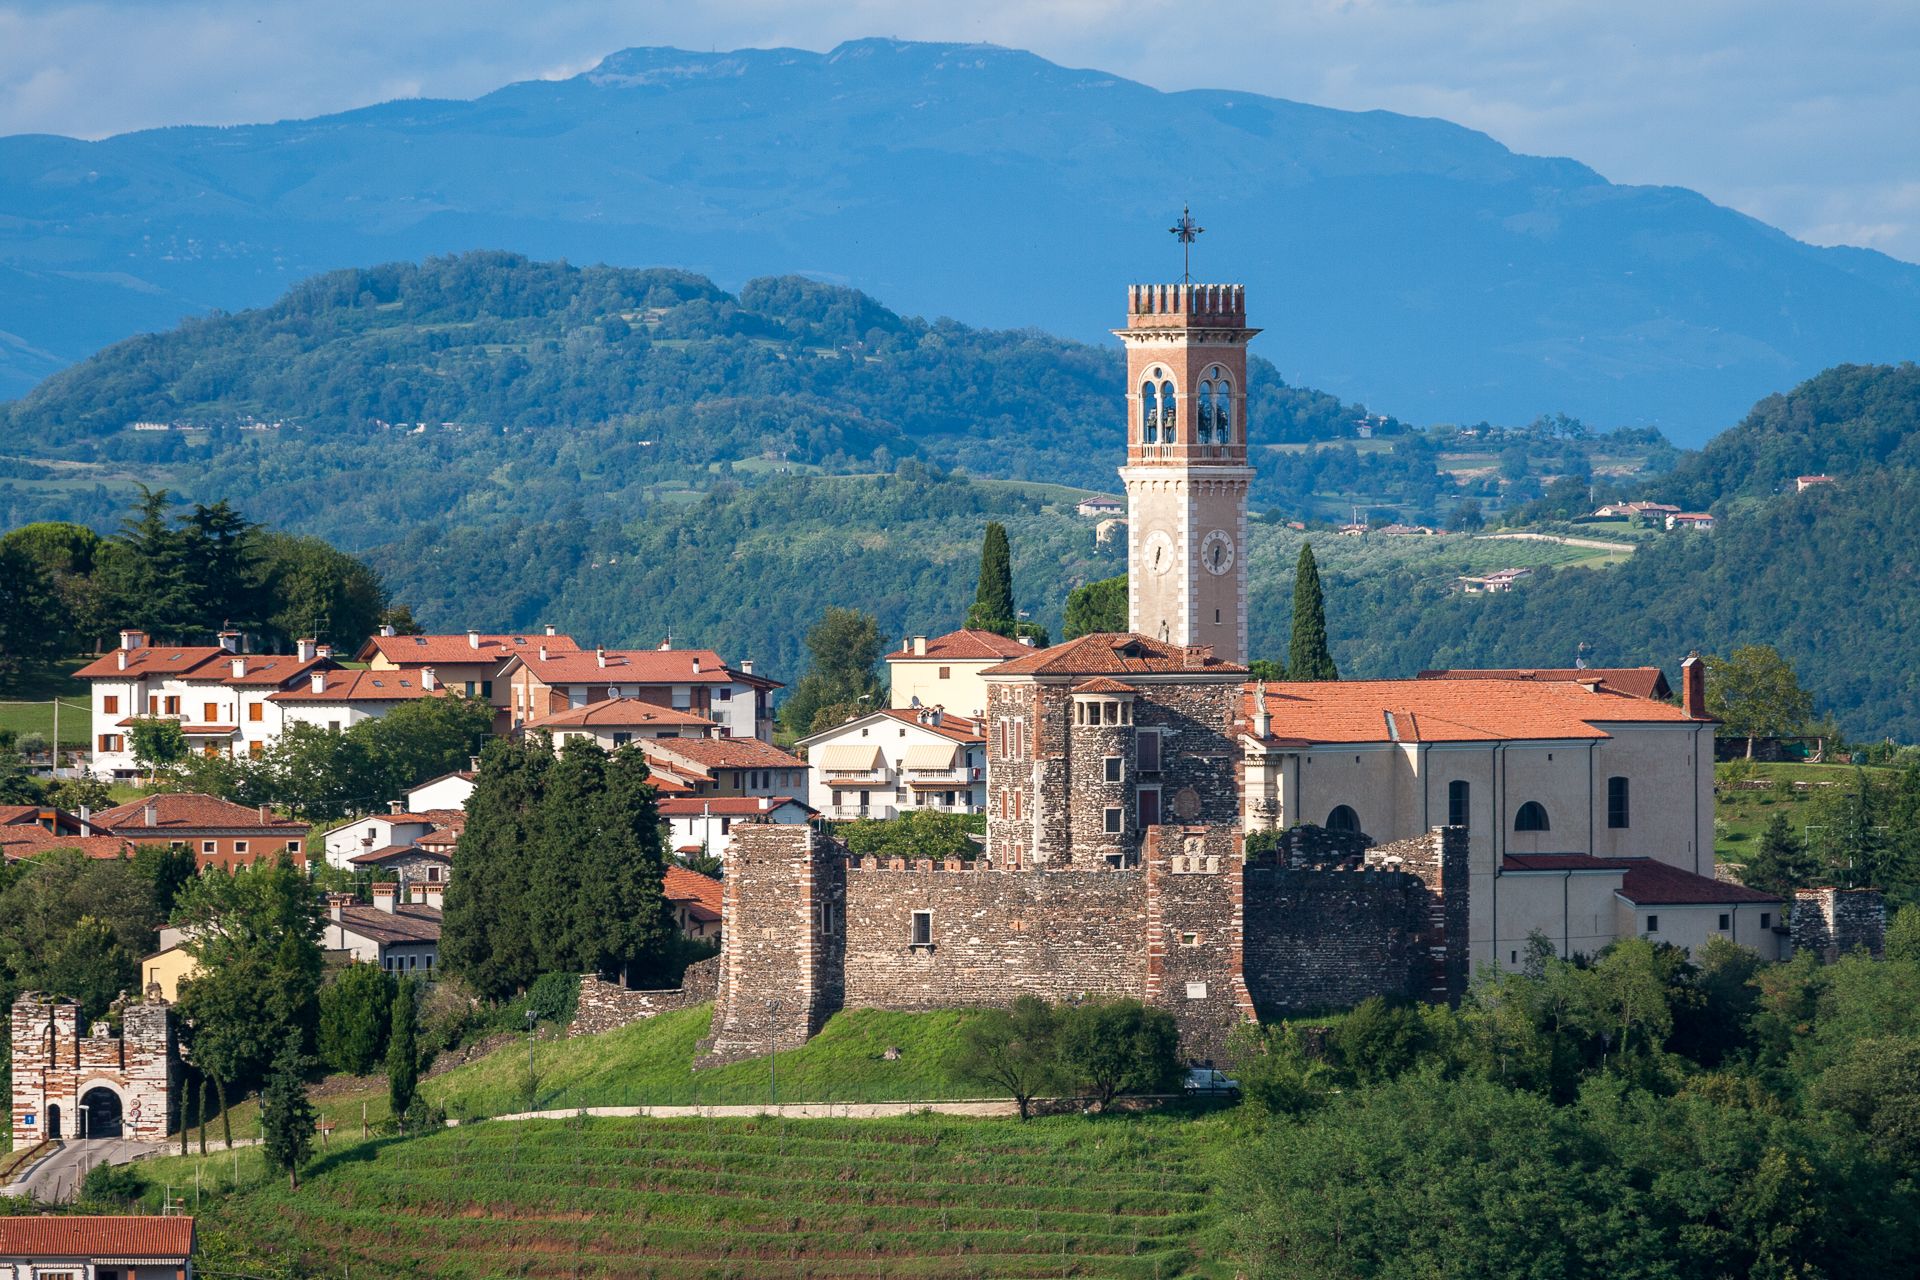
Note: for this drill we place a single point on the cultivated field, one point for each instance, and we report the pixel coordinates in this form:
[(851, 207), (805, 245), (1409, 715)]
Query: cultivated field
[(1121, 1196)]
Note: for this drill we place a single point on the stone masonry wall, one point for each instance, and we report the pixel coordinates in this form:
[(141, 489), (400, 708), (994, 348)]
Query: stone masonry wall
[(1832, 922), (54, 1065), (996, 934), (608, 1006), (1195, 936), (1330, 939), (781, 953), (1440, 859)]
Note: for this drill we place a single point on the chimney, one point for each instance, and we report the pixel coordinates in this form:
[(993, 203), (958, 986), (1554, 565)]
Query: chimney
[(122, 656), (1194, 656), (473, 639), (746, 666), (1027, 641), (429, 679), (317, 682), (1693, 687), (919, 646), (935, 716), (666, 644), (323, 651), (230, 641), (131, 638), (543, 653), (473, 764), (1262, 721), (433, 895), (549, 629), (766, 802), (304, 649), (386, 631), (336, 903), (385, 894), (150, 815), (396, 807), (696, 664), (239, 668), (266, 813), (600, 658)]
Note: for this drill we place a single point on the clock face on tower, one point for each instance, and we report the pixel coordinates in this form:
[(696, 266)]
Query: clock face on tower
[(1159, 551), (1216, 552)]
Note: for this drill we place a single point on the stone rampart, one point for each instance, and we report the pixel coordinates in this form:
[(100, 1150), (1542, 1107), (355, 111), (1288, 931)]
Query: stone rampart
[(608, 1006), (1833, 922), (56, 1066)]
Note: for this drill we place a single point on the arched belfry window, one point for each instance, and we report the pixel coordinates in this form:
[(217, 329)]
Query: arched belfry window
[(1344, 820), (1220, 401), (1168, 431), (1149, 414), (1531, 817)]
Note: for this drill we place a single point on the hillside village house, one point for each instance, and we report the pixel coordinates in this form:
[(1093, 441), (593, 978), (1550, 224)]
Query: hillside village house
[(448, 791), (890, 762), (1803, 483), (469, 663), (706, 824), (619, 722), (1695, 521), (221, 834), (945, 671), (339, 699), (694, 901), (1098, 507), (355, 842), (110, 1247), (30, 829), (723, 767), (221, 697), (399, 936), (547, 681)]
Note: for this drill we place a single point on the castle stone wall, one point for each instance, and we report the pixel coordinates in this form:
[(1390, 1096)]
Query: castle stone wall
[(55, 1065), (608, 1006), (1832, 922), (1196, 935)]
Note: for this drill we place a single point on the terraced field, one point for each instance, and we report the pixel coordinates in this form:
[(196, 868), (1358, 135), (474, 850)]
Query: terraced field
[(1120, 1196)]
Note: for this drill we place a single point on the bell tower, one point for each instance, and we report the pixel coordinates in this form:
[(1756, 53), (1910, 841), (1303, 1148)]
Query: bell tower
[(1187, 472)]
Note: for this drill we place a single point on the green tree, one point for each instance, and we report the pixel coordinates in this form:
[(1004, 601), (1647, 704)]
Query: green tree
[(993, 607), (1903, 935), (845, 646), (1378, 1040), (65, 553), (255, 937), (83, 792), (318, 591), (1011, 1049), (155, 593), (221, 567), (1781, 863), (1118, 1046), (356, 1009), (917, 833), (1754, 694), (74, 926), (1466, 516), (1096, 607), (1307, 654), (157, 742), (421, 739), (403, 1052), (29, 608), (286, 1113), (168, 868)]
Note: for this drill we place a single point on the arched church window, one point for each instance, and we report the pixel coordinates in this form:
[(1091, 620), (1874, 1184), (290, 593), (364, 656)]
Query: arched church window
[(1205, 432), (1170, 432), (1531, 817), (1343, 819)]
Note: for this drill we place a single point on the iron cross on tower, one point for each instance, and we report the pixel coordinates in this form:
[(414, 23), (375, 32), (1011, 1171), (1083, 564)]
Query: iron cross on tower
[(1187, 231)]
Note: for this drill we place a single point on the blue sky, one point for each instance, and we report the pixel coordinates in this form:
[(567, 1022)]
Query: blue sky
[(1802, 115)]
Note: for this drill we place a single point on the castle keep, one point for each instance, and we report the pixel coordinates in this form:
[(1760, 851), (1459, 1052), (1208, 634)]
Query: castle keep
[(1113, 863)]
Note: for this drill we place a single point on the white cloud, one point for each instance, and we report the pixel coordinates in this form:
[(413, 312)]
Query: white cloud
[(1799, 114)]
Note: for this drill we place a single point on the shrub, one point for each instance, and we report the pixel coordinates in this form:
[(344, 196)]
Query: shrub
[(1118, 1046), (112, 1184), (1011, 1049), (355, 1010), (553, 997)]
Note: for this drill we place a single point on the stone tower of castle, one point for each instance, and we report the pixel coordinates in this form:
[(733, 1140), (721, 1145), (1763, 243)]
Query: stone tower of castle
[(1187, 472)]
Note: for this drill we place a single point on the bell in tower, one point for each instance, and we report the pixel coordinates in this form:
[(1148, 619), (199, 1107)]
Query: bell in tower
[(1186, 474)]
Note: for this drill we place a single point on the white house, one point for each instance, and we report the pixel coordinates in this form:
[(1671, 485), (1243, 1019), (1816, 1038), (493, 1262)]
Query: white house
[(222, 698), (896, 760), (944, 671), (546, 681), (380, 831), (338, 700), (1695, 521), (705, 824), (723, 767), (400, 937), (448, 791)]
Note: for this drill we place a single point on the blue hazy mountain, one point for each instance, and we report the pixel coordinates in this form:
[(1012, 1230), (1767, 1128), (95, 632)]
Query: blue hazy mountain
[(1408, 263)]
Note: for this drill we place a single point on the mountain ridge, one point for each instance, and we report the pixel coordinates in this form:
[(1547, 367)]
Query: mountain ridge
[(1394, 260)]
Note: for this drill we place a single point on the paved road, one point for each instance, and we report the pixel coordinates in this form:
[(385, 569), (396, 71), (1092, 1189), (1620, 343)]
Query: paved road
[(1596, 544), (55, 1177), (789, 1110)]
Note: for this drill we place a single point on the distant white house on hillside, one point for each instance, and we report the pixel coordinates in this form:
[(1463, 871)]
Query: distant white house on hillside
[(899, 760)]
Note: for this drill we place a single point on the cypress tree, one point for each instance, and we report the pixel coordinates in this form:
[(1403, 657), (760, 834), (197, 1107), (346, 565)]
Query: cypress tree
[(286, 1115), (403, 1059), (1307, 655), (993, 599)]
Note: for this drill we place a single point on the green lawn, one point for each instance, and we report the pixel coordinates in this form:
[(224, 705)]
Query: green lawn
[(26, 703), (1741, 814), (652, 1062), (1118, 1196)]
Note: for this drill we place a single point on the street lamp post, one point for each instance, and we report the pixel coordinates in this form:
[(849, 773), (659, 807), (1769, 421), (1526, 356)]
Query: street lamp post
[(530, 1021)]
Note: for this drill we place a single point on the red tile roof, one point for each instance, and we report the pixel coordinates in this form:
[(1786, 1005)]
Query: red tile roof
[(360, 686), (407, 922), (965, 645), (959, 728), (636, 666), (1115, 653), (266, 669), (1646, 882), (393, 851), (725, 806), (621, 713), (179, 812), (150, 660), (1641, 682), (682, 885), (1474, 710), (722, 753), (421, 651), (1103, 684), (17, 842), (99, 1238)]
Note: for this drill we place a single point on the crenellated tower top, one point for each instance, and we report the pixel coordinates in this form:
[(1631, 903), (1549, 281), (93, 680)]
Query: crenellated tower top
[(1186, 374)]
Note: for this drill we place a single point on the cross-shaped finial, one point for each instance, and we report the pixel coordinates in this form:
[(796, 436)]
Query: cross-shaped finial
[(1186, 231)]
